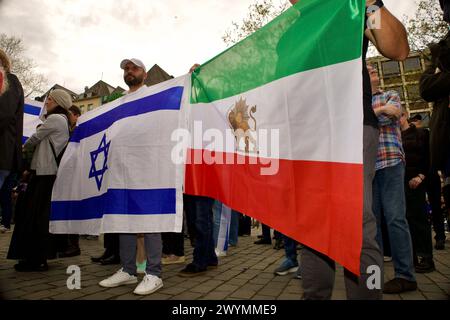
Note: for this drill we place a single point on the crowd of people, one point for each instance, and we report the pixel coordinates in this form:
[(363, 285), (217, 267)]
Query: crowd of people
[(406, 171)]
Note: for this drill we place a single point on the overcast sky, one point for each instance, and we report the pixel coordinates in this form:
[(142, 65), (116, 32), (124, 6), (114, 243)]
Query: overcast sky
[(77, 42)]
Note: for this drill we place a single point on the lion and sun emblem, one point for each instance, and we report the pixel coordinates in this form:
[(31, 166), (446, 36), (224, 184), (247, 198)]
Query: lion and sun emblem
[(242, 121)]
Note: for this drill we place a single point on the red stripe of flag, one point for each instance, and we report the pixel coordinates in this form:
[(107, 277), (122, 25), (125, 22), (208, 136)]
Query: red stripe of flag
[(319, 204)]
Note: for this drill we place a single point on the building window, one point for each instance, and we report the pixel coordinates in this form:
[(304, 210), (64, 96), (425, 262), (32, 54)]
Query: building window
[(414, 92), (390, 68), (412, 64), (89, 108), (399, 90)]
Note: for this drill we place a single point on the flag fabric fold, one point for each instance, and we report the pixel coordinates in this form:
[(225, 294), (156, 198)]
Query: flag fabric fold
[(31, 117)]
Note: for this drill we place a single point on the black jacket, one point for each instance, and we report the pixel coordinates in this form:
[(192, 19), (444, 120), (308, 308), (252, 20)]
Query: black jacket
[(11, 125), (415, 143), (435, 87)]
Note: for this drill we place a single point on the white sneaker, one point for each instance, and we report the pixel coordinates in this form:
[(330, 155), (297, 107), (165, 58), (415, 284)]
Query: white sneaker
[(3, 229), (387, 259), (149, 284), (119, 278), (220, 253)]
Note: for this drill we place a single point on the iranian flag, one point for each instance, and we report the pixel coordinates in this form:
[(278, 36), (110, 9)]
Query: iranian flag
[(281, 121)]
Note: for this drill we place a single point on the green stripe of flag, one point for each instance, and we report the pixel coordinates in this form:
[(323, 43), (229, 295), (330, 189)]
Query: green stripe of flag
[(310, 35)]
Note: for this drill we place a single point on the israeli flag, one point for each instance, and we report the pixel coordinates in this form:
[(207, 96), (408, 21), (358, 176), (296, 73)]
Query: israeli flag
[(31, 118), (117, 175)]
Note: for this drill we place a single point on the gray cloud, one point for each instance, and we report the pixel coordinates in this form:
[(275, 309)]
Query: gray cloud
[(32, 27), (75, 42)]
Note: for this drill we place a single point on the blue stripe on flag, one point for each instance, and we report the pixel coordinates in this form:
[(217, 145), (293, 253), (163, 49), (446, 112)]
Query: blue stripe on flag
[(169, 99), (35, 111), (117, 202)]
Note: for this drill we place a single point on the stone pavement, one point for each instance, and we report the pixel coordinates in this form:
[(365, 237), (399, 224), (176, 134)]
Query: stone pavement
[(246, 273)]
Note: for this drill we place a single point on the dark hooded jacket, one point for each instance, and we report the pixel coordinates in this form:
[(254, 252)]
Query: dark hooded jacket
[(435, 87), (11, 125)]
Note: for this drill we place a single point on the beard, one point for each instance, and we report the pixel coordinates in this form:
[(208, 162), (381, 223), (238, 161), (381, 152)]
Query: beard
[(132, 81)]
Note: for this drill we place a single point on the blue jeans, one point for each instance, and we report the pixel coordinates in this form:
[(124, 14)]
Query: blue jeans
[(234, 228), (290, 249), (266, 233), (200, 211), (389, 200)]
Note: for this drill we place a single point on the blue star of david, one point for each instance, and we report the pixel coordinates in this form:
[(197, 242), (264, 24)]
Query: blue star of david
[(98, 174)]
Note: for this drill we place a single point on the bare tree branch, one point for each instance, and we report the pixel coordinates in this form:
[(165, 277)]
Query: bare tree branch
[(260, 13), (22, 67), (426, 26)]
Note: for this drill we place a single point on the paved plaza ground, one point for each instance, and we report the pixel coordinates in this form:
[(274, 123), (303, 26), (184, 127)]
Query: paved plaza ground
[(246, 273)]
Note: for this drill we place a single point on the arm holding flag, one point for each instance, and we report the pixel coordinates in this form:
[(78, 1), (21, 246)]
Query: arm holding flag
[(390, 37)]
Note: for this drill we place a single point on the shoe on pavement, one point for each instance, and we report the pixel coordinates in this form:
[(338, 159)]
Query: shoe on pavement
[(4, 229), (118, 279), (72, 252), (102, 257), (173, 259), (220, 253), (298, 274), (262, 241), (25, 266), (114, 259), (440, 245), (387, 259), (286, 267), (149, 284), (425, 265), (399, 285), (191, 270)]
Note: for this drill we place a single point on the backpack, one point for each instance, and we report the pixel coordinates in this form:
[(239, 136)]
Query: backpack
[(57, 157)]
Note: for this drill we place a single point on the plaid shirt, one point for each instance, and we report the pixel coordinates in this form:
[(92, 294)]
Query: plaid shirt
[(390, 149)]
